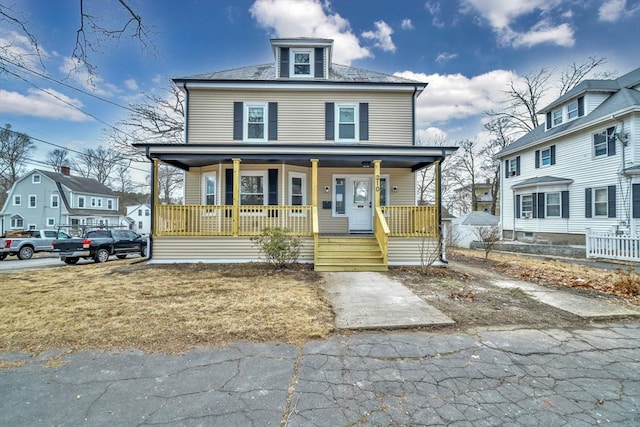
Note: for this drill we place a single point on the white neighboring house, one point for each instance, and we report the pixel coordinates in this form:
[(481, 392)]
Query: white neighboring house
[(43, 199), (140, 218), (580, 170)]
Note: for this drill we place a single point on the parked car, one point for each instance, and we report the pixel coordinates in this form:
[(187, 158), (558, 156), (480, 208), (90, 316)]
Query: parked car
[(25, 243), (99, 245)]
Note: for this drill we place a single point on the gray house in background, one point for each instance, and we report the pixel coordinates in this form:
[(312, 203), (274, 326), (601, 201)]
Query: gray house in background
[(43, 199)]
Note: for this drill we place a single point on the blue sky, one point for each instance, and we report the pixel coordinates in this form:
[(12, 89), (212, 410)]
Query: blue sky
[(467, 50)]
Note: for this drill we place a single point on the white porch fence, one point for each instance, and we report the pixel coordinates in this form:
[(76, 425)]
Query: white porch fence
[(621, 247)]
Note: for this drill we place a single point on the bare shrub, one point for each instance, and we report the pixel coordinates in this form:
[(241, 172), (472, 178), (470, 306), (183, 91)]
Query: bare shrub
[(489, 236)]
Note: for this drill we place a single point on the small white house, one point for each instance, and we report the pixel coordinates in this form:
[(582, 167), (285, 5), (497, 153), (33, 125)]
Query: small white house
[(464, 228), (139, 217)]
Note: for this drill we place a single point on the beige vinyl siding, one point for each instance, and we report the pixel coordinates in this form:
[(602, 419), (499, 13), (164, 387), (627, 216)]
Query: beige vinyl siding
[(406, 251), (301, 114), (193, 187), (215, 249)]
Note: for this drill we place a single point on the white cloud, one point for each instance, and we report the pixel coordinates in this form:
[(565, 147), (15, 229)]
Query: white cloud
[(445, 56), (454, 96), (431, 136), (382, 36), (18, 48), (434, 9), (310, 18), (503, 17), (37, 103), (407, 24), (611, 10), (131, 84), (74, 70)]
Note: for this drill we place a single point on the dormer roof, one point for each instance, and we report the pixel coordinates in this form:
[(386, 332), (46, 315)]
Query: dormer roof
[(302, 42)]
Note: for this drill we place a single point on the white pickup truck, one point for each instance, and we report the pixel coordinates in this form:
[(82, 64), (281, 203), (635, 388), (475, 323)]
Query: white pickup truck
[(24, 244)]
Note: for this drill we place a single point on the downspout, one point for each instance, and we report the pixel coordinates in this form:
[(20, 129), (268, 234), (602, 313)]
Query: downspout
[(443, 257), (186, 112)]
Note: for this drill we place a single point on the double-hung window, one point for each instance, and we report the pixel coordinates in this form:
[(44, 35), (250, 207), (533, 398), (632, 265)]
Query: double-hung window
[(81, 202), (545, 157), (557, 116), (601, 201), (527, 206), (36, 179), (33, 201), (209, 189), (512, 167), (572, 110), (255, 122), (347, 122), (297, 186), (301, 63), (604, 143), (17, 200), (110, 204), (552, 205), (55, 201), (253, 188)]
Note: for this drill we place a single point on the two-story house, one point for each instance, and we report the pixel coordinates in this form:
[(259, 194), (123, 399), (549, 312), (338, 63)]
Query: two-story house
[(43, 199), (580, 170), (323, 150), (483, 195), (139, 216)]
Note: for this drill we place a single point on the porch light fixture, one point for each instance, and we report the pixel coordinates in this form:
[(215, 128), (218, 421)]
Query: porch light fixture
[(326, 188), (395, 188), (366, 164)]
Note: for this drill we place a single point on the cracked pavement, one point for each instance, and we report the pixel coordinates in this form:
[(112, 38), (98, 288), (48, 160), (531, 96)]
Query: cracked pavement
[(491, 376)]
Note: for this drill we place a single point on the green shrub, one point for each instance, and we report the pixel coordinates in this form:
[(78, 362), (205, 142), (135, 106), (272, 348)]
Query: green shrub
[(278, 247)]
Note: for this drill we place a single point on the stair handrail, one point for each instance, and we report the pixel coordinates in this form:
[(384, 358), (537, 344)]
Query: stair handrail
[(381, 231), (316, 232)]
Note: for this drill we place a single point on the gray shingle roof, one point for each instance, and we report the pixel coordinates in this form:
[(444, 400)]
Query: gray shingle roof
[(267, 73), (542, 180), (622, 99), (477, 218), (79, 184)]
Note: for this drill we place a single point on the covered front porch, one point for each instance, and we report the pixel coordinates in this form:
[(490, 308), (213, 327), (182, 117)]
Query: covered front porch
[(350, 224)]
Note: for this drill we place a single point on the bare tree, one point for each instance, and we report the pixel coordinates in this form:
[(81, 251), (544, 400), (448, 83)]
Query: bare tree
[(499, 129), (463, 168), (15, 150), (575, 73), (489, 236), (170, 180), (93, 33), (57, 158), (100, 163)]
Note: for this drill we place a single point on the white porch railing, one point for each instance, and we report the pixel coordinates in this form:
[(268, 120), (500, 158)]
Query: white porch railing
[(613, 246)]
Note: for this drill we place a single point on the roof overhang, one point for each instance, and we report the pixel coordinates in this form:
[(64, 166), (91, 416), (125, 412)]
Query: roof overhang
[(541, 182), (186, 156)]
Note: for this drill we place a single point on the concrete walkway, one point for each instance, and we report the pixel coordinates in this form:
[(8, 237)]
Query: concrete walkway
[(367, 300)]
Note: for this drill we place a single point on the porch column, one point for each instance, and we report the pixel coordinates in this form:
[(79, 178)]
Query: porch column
[(155, 200), (314, 183), (376, 184), (236, 197)]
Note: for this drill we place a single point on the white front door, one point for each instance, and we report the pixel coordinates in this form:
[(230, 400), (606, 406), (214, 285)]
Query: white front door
[(359, 201)]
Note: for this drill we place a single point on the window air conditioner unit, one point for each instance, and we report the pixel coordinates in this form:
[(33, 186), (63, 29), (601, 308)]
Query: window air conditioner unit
[(512, 173), (526, 215)]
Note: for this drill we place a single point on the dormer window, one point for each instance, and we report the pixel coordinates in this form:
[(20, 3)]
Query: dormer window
[(301, 64), (557, 116), (572, 110)]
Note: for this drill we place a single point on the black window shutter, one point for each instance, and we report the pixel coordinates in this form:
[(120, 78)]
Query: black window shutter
[(635, 196), (273, 121), (319, 62), (518, 165), (553, 154), (273, 191), (228, 187), (506, 168), (238, 112), (611, 142), (537, 159), (581, 106), (541, 205), (534, 202), (549, 120), (517, 206), (329, 124), (565, 203), (612, 201), (284, 62), (587, 203), (364, 121)]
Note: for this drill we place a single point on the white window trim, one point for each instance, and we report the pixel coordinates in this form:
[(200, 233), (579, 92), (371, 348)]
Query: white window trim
[(84, 202), (356, 118), (13, 220), (19, 196), (51, 222), (303, 176), (110, 204), (526, 214), (245, 121), (55, 197), (292, 56), (32, 226), (99, 201), (569, 110), (265, 193), (542, 165), (606, 142), (546, 205), (606, 202), (554, 117), (513, 166), (93, 202), (33, 178), (35, 205), (206, 175)]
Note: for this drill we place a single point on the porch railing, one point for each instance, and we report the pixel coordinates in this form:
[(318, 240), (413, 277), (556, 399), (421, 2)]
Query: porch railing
[(205, 220), (411, 221), (381, 231)]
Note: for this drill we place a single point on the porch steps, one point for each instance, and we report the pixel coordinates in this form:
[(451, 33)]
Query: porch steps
[(352, 253)]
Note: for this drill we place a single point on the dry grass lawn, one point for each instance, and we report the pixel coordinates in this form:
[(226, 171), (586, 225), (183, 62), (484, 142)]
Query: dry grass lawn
[(159, 308)]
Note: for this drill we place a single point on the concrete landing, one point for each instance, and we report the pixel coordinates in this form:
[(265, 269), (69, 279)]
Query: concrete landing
[(368, 300), (588, 308)]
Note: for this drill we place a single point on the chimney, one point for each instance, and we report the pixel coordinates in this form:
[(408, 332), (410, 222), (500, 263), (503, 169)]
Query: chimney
[(65, 170)]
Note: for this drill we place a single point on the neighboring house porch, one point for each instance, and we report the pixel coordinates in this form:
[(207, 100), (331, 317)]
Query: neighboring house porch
[(352, 206)]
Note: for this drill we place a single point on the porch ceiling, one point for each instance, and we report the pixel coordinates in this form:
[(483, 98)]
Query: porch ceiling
[(186, 156)]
